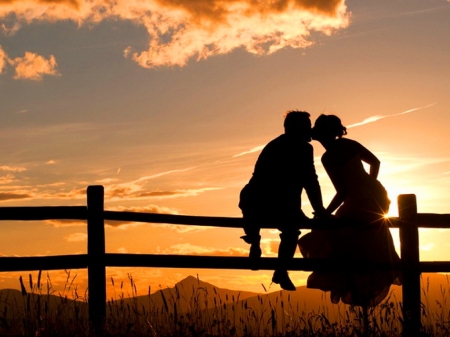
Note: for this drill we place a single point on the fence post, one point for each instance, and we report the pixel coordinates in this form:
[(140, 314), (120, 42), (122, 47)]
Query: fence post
[(96, 258), (409, 242)]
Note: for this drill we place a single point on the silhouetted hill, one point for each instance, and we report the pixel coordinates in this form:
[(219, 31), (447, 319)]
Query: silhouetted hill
[(191, 294)]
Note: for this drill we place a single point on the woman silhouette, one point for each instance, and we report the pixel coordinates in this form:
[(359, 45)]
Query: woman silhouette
[(363, 201)]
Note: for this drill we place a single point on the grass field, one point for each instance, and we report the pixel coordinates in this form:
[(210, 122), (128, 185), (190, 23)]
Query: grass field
[(196, 308)]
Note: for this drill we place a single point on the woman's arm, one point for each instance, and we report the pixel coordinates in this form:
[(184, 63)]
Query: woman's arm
[(369, 158)]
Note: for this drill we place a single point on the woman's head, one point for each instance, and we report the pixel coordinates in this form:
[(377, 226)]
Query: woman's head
[(328, 127)]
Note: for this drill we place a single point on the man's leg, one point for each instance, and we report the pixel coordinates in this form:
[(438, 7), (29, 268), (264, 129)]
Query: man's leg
[(252, 237), (286, 251)]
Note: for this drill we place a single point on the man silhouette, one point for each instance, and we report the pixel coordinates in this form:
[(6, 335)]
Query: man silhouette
[(273, 195)]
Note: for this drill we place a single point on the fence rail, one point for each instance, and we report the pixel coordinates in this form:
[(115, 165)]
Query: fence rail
[(96, 260)]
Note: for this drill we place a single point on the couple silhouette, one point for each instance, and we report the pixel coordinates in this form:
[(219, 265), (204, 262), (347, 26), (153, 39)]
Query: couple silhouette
[(285, 167)]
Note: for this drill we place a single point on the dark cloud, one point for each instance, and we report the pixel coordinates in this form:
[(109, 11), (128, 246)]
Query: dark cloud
[(13, 196), (158, 194)]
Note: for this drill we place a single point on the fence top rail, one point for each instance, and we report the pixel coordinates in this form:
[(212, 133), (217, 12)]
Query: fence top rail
[(422, 220), (211, 221)]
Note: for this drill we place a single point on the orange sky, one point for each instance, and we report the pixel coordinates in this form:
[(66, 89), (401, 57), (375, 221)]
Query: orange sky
[(168, 103)]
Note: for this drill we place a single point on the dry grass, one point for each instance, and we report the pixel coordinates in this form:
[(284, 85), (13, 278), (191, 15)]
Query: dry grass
[(39, 311)]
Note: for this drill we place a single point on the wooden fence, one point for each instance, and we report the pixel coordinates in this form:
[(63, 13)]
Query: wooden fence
[(96, 260)]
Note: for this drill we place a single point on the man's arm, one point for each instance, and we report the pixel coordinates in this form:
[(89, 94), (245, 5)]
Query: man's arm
[(311, 183), (333, 174)]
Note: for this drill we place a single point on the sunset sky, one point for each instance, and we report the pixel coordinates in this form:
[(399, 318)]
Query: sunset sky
[(167, 103)]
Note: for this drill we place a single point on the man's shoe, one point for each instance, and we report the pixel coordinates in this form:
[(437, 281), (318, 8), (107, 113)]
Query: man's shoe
[(281, 277)]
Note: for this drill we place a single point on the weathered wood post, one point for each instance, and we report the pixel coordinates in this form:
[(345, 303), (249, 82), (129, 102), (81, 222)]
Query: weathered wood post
[(96, 258), (409, 250)]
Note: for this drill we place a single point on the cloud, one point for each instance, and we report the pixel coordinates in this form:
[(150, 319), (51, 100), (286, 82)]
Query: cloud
[(33, 66), (121, 224), (12, 168), (105, 180), (3, 59), (395, 164), (7, 179), (255, 149), (179, 30), (271, 246), (35, 192), (135, 189), (122, 250), (13, 196), (10, 30), (378, 117), (175, 193), (29, 67), (427, 247), (157, 175), (66, 223), (189, 249), (74, 194), (125, 224), (145, 209), (202, 29), (186, 228), (76, 237), (50, 162)]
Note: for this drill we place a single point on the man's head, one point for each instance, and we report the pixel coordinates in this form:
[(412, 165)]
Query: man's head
[(297, 124)]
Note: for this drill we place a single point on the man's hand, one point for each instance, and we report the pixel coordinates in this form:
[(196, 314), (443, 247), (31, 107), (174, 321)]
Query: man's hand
[(322, 214)]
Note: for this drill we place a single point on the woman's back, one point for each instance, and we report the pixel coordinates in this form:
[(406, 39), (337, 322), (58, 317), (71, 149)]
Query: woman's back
[(366, 199)]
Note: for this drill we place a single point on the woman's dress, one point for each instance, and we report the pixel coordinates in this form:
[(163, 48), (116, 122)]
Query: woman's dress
[(370, 240)]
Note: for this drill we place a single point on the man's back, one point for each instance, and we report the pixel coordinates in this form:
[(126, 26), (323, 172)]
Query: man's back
[(280, 174)]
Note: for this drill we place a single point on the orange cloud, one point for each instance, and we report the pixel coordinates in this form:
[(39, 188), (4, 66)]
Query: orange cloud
[(66, 223), (135, 189), (176, 193), (145, 209), (7, 179), (33, 66), (2, 59), (183, 29), (122, 224), (202, 29), (188, 249), (12, 168), (76, 237)]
